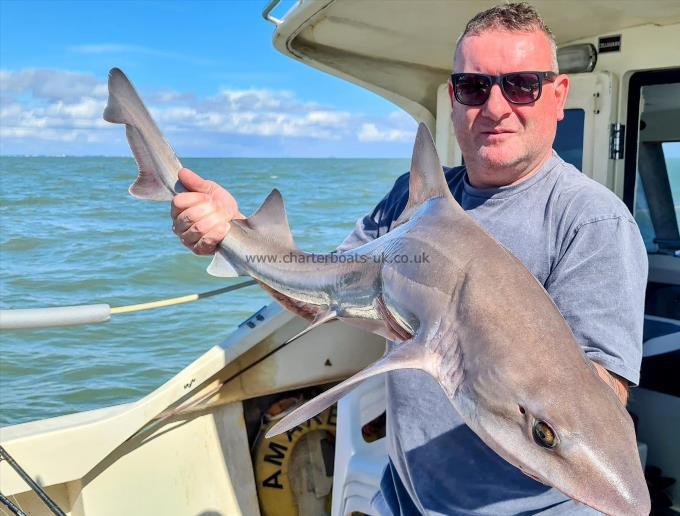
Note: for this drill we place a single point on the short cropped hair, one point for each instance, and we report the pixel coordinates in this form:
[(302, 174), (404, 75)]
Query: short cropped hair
[(511, 17)]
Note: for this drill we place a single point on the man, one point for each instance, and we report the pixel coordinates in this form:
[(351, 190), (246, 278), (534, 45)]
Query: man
[(573, 234)]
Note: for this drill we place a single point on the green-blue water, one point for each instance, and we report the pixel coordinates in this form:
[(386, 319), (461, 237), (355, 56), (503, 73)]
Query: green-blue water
[(72, 235)]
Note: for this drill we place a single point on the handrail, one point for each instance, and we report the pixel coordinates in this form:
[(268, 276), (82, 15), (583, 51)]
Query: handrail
[(30, 318), (268, 9)]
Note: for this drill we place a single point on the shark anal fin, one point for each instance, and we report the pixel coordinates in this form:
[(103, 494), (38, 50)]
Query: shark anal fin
[(410, 355), (321, 318)]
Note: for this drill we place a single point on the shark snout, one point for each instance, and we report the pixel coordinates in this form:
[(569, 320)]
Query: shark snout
[(617, 488)]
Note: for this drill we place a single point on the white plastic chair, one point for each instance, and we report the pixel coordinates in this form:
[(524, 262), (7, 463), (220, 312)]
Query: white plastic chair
[(358, 464)]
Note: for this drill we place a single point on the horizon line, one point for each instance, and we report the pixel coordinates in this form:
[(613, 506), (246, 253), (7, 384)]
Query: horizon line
[(193, 157)]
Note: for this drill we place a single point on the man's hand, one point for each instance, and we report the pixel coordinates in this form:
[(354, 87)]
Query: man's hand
[(200, 217), (617, 383)]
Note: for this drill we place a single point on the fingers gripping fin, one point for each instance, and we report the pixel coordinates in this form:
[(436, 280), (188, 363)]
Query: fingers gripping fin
[(410, 355)]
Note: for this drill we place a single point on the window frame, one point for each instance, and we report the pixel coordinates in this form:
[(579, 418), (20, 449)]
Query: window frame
[(635, 84)]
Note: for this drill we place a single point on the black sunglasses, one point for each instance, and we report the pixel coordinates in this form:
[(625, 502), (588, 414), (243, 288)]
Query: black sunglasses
[(473, 89)]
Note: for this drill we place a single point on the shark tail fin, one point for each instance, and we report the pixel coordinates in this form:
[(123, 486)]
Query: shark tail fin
[(125, 107), (120, 87), (148, 184), (269, 225), (426, 178), (410, 355)]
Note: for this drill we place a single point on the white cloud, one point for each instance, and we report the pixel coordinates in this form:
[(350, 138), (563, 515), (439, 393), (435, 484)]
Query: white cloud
[(57, 105), (371, 133), (50, 85)]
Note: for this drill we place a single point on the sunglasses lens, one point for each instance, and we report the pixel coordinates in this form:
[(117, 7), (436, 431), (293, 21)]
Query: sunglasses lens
[(521, 88), (472, 90)]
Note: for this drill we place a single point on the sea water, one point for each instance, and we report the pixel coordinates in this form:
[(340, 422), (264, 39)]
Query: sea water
[(71, 234)]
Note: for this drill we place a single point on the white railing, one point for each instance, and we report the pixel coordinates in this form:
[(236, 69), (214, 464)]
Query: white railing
[(271, 5)]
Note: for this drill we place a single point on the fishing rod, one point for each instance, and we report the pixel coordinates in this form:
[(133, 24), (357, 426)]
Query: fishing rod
[(30, 318), (35, 487)]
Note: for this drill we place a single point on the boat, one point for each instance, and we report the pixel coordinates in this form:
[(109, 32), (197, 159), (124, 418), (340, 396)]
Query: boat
[(195, 445)]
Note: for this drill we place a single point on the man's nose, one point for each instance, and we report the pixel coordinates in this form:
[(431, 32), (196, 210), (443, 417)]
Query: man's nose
[(496, 105)]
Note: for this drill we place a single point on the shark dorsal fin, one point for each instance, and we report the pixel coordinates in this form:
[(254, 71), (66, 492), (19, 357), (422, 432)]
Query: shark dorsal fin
[(426, 179), (270, 222), (269, 225)]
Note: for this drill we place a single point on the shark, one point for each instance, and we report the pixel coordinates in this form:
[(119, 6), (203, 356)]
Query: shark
[(469, 314)]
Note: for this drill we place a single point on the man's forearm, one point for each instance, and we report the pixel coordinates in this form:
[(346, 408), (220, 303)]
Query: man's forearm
[(617, 383)]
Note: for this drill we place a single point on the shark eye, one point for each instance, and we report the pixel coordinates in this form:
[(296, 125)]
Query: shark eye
[(544, 434)]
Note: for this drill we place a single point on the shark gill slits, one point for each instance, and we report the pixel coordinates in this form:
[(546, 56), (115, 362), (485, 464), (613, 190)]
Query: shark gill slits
[(544, 435)]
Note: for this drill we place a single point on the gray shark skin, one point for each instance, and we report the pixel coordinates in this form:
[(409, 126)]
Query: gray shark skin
[(472, 316)]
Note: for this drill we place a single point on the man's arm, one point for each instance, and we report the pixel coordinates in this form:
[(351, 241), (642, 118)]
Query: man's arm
[(201, 220), (201, 217), (598, 284)]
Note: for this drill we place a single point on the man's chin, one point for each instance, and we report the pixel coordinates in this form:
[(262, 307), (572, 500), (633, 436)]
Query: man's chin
[(498, 159)]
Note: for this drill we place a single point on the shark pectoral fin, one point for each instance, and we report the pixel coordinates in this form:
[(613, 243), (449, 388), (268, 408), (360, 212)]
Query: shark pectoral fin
[(221, 267), (322, 318), (148, 184), (410, 355), (270, 223)]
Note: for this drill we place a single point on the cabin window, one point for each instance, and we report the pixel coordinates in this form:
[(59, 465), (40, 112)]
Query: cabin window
[(569, 138), (670, 153)]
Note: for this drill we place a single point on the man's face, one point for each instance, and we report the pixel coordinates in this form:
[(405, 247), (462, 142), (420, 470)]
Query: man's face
[(501, 142)]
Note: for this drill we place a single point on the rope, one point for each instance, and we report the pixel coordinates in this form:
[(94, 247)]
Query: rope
[(178, 300)]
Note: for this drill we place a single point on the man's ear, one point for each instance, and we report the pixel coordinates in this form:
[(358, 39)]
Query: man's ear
[(561, 87), (451, 98)]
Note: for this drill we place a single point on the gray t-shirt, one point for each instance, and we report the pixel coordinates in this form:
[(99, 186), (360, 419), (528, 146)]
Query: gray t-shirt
[(583, 245)]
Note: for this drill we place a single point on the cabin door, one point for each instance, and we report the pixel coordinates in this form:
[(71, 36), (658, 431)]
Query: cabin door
[(583, 136), (652, 193)]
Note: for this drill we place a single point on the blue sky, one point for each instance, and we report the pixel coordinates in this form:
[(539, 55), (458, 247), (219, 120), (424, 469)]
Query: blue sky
[(207, 70)]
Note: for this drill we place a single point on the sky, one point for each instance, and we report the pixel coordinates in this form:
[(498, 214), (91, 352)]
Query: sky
[(207, 70)]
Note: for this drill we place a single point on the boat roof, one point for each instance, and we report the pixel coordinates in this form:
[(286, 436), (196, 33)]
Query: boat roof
[(403, 50)]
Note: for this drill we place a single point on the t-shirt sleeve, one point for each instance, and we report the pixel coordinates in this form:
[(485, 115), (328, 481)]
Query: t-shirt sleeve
[(599, 285), (365, 230)]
